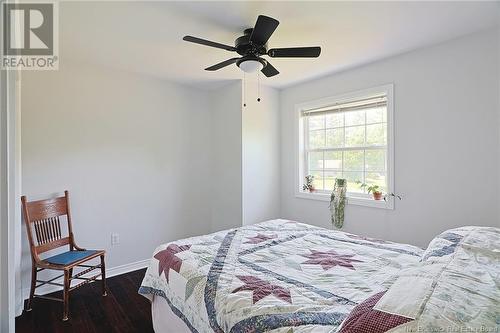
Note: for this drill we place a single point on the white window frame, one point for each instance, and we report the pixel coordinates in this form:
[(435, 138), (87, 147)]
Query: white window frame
[(299, 135)]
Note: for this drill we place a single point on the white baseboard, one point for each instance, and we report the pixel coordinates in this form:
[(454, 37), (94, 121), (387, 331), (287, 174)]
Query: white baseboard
[(122, 269), (110, 272)]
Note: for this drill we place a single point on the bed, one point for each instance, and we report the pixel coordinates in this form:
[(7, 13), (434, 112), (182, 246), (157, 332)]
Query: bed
[(282, 276)]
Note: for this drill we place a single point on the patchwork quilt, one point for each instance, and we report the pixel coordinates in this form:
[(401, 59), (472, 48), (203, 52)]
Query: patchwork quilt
[(277, 276), (455, 287)]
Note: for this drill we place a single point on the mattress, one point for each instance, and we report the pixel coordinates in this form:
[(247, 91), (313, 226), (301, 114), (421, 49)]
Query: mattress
[(282, 276), (164, 319)]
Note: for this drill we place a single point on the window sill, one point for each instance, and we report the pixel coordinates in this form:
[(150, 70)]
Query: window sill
[(351, 200)]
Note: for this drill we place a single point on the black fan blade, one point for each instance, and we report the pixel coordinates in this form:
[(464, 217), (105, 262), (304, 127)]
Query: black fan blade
[(222, 64), (264, 28), (269, 70), (208, 43), (295, 52)]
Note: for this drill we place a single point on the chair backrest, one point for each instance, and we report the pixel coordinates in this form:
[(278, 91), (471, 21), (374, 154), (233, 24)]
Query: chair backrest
[(43, 225)]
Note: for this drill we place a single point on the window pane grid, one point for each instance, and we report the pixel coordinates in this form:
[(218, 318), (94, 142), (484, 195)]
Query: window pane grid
[(330, 156), (318, 138), (342, 127), (347, 148)]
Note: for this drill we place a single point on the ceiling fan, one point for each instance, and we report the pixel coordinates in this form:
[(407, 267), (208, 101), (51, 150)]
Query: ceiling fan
[(252, 45)]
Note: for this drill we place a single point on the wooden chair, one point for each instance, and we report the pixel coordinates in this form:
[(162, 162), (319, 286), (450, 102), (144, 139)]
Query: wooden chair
[(42, 218)]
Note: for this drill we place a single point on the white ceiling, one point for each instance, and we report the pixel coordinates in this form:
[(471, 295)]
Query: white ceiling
[(146, 37)]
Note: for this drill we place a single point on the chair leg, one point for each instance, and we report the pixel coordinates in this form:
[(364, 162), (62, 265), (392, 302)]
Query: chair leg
[(103, 276), (32, 289), (70, 276), (66, 295)]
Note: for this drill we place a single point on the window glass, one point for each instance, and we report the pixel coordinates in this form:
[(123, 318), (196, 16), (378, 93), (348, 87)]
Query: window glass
[(348, 143)]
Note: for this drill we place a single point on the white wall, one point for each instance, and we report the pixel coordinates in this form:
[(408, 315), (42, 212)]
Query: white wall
[(4, 230), (225, 198), (245, 158), (134, 152), (9, 202), (446, 140), (131, 148), (261, 154), (498, 94)]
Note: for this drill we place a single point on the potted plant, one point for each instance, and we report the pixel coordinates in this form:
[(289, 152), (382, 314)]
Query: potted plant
[(373, 189), (309, 186), (338, 201)]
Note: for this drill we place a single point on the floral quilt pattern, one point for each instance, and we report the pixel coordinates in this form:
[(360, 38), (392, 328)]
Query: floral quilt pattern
[(277, 276)]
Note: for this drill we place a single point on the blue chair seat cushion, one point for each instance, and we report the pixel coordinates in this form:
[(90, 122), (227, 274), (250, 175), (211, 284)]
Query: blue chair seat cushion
[(69, 257)]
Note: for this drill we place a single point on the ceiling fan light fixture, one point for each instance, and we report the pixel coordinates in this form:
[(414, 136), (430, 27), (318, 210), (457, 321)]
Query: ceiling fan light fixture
[(250, 66), (252, 45)]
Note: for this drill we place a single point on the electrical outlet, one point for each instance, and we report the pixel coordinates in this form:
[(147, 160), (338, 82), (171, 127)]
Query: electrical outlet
[(115, 239)]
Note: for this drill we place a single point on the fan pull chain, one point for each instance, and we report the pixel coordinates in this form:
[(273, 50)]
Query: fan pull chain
[(244, 90), (258, 86)]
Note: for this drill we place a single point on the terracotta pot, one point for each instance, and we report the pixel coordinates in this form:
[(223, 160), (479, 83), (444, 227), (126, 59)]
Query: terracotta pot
[(312, 190), (377, 195)]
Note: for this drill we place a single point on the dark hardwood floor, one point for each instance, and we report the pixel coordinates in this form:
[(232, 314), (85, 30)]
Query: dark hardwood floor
[(123, 310)]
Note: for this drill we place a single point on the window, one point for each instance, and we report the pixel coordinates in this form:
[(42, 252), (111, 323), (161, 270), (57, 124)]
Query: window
[(349, 137)]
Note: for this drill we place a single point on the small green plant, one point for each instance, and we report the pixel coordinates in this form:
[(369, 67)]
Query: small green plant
[(369, 188), (309, 186)]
